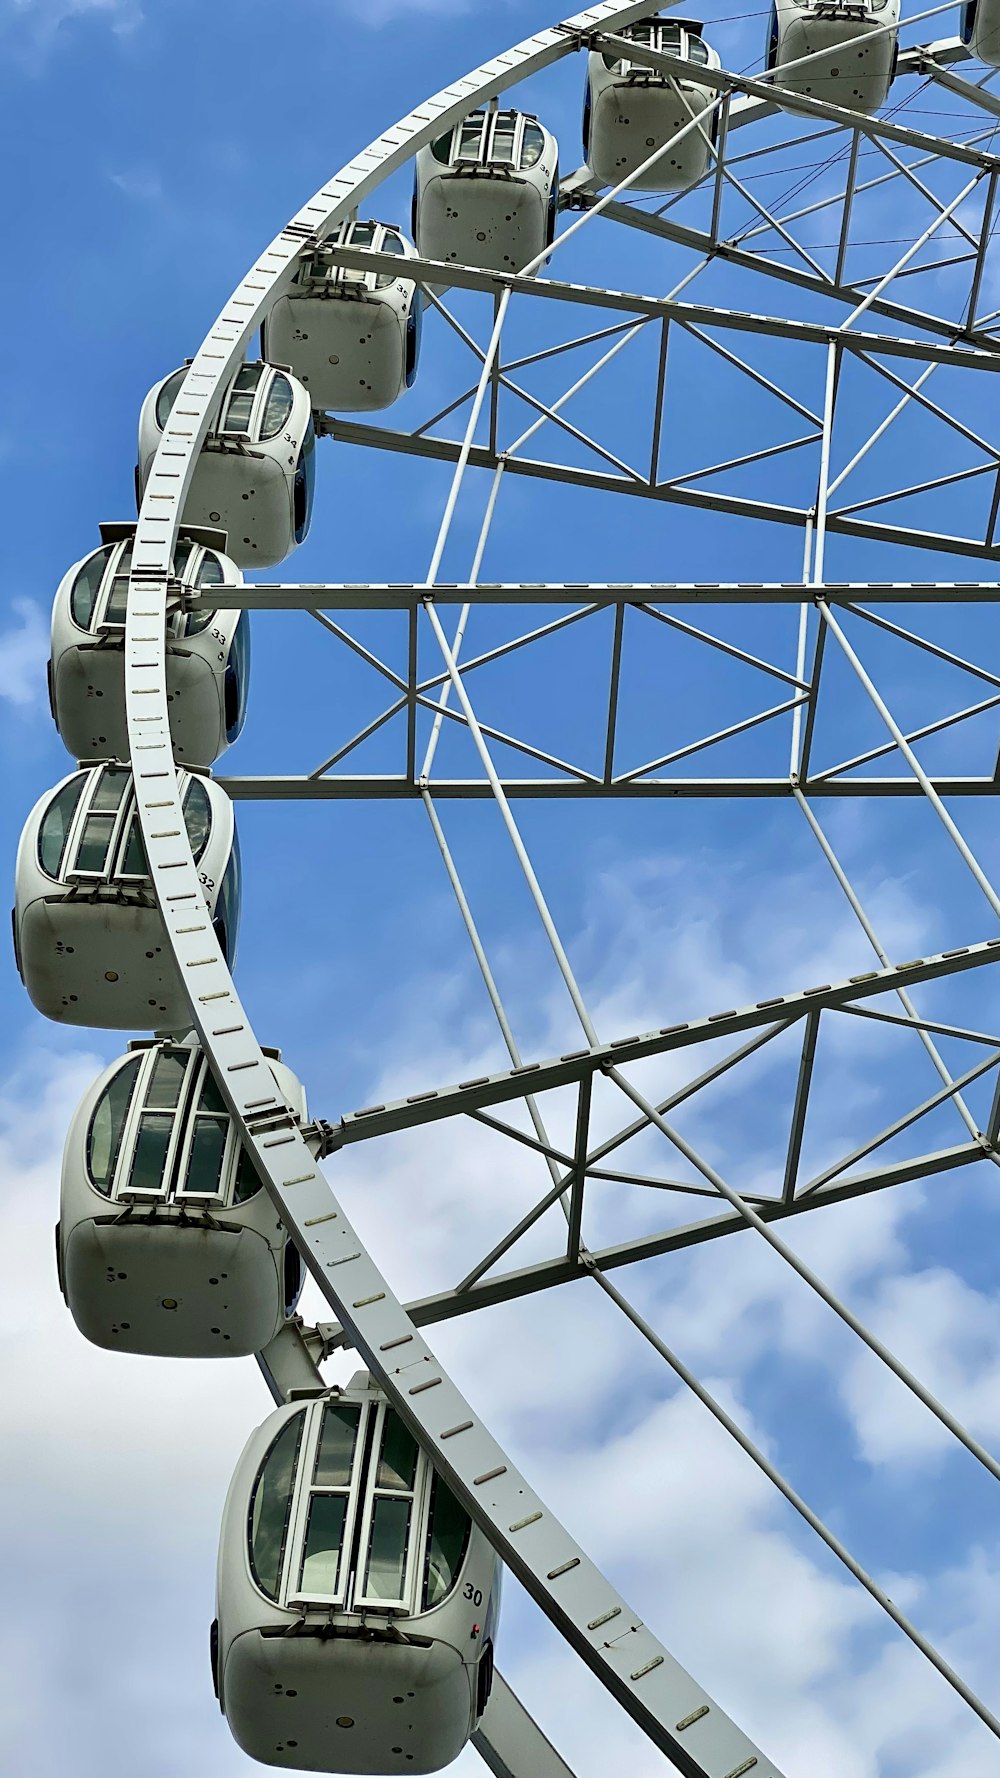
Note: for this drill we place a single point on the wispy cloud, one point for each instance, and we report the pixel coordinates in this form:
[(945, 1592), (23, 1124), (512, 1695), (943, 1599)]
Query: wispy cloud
[(652, 1487), (140, 183), (35, 24), (23, 651)]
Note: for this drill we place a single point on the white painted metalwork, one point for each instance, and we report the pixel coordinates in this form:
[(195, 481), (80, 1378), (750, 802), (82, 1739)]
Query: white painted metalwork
[(167, 1242), (357, 1603), (630, 109), (351, 336), (254, 473), (206, 453), (89, 934), (207, 666)]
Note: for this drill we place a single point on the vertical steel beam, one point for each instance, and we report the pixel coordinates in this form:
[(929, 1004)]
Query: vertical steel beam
[(802, 1085)]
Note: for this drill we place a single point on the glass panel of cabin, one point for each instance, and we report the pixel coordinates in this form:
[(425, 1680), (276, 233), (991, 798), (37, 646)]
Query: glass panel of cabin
[(87, 585), (210, 1099), (385, 1569), (470, 137), (164, 1089), (134, 862), (206, 1154), (183, 551), (391, 243), (113, 783), (390, 1517), (210, 572), (226, 923), (277, 407), (532, 146), (398, 1456), (197, 817), (150, 1154), (330, 1503), (101, 822), (238, 413), (114, 610), (55, 825), (240, 404), (92, 846), (209, 1139), (116, 607), (237, 677), (168, 395), (337, 1441), (324, 1543), (305, 484), (447, 1540), (248, 1180), (107, 1126), (504, 134), (697, 51), (270, 1507)]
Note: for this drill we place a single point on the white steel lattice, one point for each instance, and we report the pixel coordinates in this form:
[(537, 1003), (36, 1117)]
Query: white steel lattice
[(829, 377)]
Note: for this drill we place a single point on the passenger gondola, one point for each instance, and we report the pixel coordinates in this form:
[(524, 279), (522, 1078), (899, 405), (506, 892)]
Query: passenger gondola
[(630, 111), (254, 475), (351, 337), (861, 37), (208, 652), (357, 1602), (167, 1243), (981, 30), (88, 935), (486, 192)]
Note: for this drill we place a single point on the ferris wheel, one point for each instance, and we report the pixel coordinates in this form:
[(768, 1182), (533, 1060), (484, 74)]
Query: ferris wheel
[(821, 257)]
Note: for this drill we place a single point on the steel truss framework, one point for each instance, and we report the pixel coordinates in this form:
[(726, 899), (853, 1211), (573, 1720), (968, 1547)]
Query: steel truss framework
[(951, 181), (790, 702)]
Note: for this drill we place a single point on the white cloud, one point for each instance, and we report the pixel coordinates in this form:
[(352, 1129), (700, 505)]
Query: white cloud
[(34, 25), (658, 1494), (24, 649), (141, 183), (949, 1334)]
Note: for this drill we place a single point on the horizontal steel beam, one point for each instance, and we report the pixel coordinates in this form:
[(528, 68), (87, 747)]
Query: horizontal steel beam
[(433, 271), (702, 243), (385, 787), (396, 596), (560, 1071), (447, 450)]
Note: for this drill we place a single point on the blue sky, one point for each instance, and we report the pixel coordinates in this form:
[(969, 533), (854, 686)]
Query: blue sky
[(156, 151)]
